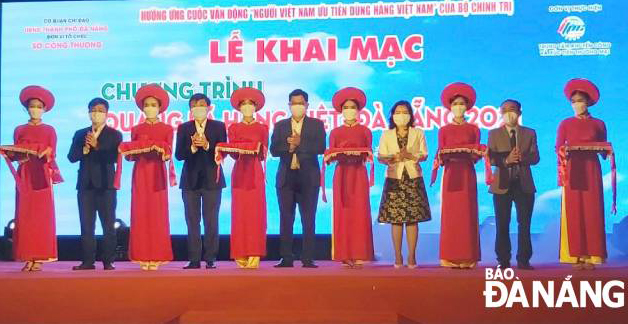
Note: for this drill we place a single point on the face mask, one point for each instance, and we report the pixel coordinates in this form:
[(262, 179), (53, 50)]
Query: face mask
[(151, 112), (199, 112), (510, 118), (98, 117), (458, 110), (35, 113), (247, 110), (297, 111), (401, 119), (579, 108), (349, 114)]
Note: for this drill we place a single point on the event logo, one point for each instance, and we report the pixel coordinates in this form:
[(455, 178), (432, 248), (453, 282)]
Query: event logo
[(571, 28), (549, 293)]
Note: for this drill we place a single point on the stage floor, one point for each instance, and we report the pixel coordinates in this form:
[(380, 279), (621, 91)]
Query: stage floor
[(378, 293)]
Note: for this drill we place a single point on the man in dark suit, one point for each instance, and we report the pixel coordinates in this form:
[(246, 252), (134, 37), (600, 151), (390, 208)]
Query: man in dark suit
[(298, 141), (513, 149), (196, 144), (96, 147)]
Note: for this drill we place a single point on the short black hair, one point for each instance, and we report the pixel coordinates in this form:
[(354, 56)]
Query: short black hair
[(298, 92), (199, 96), (513, 101), (582, 93), (97, 101), (28, 102), (391, 121), (466, 100), (143, 100), (357, 104)]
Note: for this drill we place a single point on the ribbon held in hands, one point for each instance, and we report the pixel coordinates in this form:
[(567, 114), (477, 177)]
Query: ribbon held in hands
[(25, 151), (140, 147), (348, 154), (597, 147), (474, 151), (235, 149)]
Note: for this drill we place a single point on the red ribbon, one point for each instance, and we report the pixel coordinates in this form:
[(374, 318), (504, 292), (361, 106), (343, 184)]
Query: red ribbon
[(264, 165), (55, 173), (53, 168), (116, 179), (435, 166), (562, 166), (371, 175), (18, 180), (613, 182), (488, 173), (218, 159), (172, 174), (563, 174), (323, 180)]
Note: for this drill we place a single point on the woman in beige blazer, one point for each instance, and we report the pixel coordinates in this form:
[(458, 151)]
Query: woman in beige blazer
[(404, 200)]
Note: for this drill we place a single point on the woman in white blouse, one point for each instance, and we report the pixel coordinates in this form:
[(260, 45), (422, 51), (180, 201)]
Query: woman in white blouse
[(404, 200)]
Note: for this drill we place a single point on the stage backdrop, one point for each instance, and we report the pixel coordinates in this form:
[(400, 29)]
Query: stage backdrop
[(408, 50)]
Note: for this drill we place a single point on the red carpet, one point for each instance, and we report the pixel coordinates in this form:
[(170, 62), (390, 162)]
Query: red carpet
[(331, 294)]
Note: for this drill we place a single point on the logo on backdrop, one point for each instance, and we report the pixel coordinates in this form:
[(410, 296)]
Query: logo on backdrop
[(499, 293), (571, 28)]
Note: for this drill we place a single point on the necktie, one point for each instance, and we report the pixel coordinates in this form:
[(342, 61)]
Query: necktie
[(513, 138), (514, 169), (294, 164)]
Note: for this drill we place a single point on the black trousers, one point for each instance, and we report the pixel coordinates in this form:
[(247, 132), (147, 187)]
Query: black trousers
[(293, 193), (207, 201), (104, 202), (524, 203)]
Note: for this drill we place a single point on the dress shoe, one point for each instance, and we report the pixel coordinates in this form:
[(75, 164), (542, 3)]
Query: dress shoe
[(309, 264), (84, 266), (108, 266), (285, 263), (524, 266), (193, 265), (210, 265), (504, 265)]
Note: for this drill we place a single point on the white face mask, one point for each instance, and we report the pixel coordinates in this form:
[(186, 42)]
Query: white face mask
[(458, 110), (350, 114), (579, 108), (297, 111), (199, 112), (98, 117), (401, 120), (35, 113), (151, 112), (247, 110), (510, 118)]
